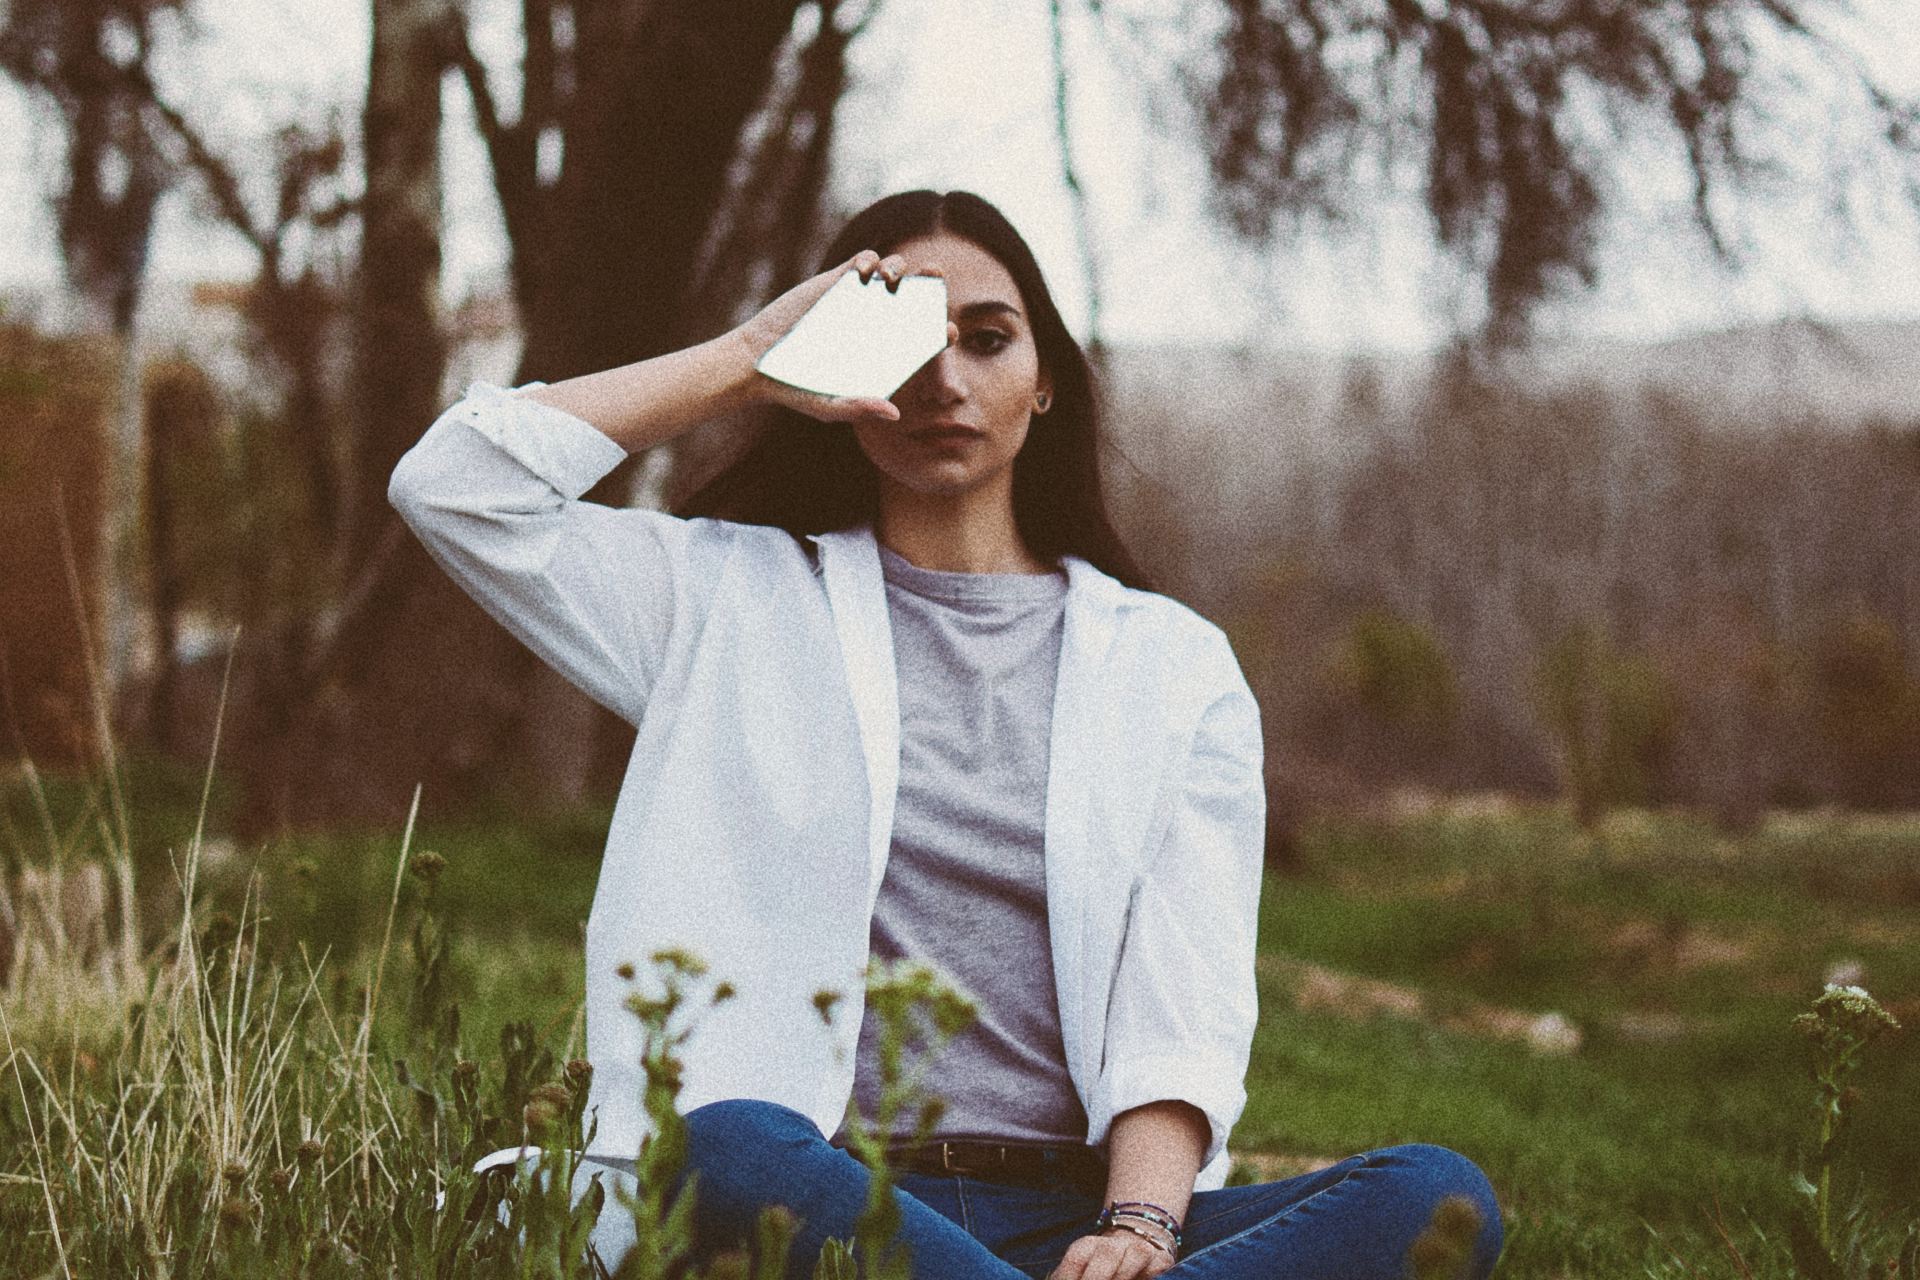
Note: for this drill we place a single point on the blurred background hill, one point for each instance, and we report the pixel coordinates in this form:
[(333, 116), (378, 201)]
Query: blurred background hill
[(1528, 399), (1673, 571)]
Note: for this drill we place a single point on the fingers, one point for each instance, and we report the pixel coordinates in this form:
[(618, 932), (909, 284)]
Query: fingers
[(891, 268), (1105, 1258), (850, 409), (881, 410)]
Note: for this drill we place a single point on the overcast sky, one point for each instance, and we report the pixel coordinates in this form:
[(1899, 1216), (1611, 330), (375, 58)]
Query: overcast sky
[(957, 93)]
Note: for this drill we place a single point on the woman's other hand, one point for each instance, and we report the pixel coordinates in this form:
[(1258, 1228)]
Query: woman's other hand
[(1112, 1255), (758, 335)]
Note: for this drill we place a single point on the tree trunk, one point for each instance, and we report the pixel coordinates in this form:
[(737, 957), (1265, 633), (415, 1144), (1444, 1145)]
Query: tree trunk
[(647, 150), (407, 682), (418, 684), (400, 352), (114, 179), (343, 715), (603, 256)]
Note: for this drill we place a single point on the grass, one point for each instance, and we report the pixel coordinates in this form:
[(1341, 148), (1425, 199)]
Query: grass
[(194, 1108), (1609, 1160), (1726, 941)]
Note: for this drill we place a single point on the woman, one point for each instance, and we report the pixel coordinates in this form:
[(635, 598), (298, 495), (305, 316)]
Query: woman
[(1059, 772)]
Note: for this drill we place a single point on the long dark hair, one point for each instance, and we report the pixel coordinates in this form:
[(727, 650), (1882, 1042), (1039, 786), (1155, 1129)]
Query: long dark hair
[(804, 476)]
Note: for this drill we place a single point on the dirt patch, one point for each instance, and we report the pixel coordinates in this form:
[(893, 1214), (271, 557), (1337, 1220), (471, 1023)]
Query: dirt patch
[(1884, 933), (1829, 821), (1675, 946), (1323, 989), (1318, 989), (1412, 803), (1443, 888), (1647, 1026), (1315, 988), (1273, 1166)]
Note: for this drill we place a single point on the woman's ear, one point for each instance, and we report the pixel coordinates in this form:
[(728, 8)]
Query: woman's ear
[(1043, 398)]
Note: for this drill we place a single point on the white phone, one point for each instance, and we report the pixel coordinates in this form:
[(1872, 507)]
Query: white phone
[(862, 340)]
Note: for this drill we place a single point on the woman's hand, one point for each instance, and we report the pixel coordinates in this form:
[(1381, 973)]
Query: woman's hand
[(758, 335), (1111, 1255)]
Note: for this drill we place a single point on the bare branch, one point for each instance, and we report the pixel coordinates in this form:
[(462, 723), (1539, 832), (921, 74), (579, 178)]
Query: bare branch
[(1306, 91), (218, 176), (486, 110), (1076, 195)]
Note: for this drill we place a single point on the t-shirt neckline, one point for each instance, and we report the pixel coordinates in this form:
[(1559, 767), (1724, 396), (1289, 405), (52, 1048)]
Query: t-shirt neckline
[(949, 584)]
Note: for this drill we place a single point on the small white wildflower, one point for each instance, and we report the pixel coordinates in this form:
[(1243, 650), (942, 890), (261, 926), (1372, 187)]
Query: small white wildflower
[(1846, 973)]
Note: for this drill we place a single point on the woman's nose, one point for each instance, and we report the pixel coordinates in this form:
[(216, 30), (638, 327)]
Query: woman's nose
[(942, 375)]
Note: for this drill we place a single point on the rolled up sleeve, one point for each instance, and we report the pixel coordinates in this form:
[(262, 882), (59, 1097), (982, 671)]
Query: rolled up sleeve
[(492, 490), (1181, 1019)]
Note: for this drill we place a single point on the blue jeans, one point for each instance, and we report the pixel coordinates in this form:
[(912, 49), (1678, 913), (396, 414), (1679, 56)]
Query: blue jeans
[(1352, 1221)]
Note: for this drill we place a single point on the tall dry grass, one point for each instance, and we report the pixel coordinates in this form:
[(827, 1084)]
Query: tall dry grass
[(196, 1098)]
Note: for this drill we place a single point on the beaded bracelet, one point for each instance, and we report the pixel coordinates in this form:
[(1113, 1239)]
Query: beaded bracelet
[(1150, 1239), (1145, 1211), (1151, 1232), (1151, 1214), (1142, 1204), (1155, 1223)]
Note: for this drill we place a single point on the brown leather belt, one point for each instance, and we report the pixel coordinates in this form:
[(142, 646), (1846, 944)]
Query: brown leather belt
[(1025, 1164)]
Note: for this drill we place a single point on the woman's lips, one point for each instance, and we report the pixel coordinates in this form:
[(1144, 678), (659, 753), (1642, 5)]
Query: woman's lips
[(948, 435)]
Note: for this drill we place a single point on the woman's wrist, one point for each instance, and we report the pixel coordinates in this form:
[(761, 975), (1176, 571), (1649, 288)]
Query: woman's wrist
[(743, 357), (1148, 1221)]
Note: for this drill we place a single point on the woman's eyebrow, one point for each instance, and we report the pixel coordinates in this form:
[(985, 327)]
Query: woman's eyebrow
[(989, 306)]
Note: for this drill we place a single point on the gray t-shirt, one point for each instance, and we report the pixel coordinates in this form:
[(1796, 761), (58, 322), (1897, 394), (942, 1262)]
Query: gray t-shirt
[(965, 887)]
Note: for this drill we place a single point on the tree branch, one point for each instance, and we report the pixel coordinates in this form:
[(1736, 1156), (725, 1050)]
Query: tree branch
[(215, 172)]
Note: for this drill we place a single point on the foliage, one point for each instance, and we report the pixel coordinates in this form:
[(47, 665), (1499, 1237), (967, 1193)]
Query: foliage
[(1820, 1245), (1708, 533), (1841, 1024), (1609, 713), (1395, 670), (57, 396), (1442, 1248), (912, 1005), (1495, 119), (218, 1111), (1865, 707), (1678, 952), (1733, 685)]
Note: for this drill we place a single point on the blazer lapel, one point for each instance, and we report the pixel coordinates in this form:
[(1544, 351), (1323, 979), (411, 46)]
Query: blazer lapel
[(1075, 753), (850, 560)]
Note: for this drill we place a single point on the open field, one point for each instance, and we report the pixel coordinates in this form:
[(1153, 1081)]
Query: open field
[(1678, 959), (1600, 1019)]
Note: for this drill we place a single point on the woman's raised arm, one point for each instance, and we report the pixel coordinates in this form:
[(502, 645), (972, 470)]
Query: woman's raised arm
[(493, 489), (649, 402)]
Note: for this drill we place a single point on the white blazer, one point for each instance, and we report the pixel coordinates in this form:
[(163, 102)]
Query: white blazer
[(755, 817)]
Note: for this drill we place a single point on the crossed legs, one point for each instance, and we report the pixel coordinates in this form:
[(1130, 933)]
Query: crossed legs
[(1353, 1221)]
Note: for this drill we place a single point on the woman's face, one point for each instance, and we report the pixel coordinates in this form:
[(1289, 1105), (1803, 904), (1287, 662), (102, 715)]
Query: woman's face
[(986, 380)]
